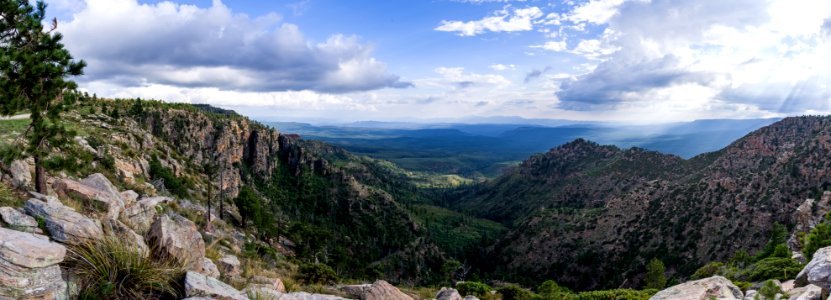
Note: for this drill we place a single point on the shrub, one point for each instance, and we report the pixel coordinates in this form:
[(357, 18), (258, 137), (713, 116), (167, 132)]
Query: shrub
[(112, 268), (655, 278), (618, 294), (550, 290), (708, 270), (774, 268), (474, 288), (173, 184), (743, 285), (317, 274), (819, 237), (513, 292), (769, 290)]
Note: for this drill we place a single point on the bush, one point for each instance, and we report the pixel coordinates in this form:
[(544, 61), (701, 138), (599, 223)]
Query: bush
[(619, 294), (655, 278), (550, 290), (769, 290), (819, 237), (473, 288), (708, 270), (112, 268), (317, 274), (513, 292), (774, 268), (173, 184)]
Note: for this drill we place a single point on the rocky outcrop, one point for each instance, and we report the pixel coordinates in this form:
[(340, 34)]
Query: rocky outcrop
[(808, 292), (271, 283), (95, 188), (63, 223), (29, 266), (715, 287), (817, 271), (177, 237), (21, 174), (229, 265), (807, 216), (448, 294), (209, 268), (140, 214), (18, 220), (379, 290), (200, 285)]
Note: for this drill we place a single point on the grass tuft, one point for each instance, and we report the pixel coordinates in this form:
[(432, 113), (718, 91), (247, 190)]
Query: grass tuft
[(113, 269)]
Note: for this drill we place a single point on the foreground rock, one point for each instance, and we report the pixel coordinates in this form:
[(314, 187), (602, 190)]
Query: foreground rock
[(29, 266), (177, 238), (139, 215), (448, 294), (809, 292), (21, 175), (64, 224), (379, 290), (715, 287), (271, 283), (229, 265), (95, 189), (200, 285), (817, 271), (18, 220)]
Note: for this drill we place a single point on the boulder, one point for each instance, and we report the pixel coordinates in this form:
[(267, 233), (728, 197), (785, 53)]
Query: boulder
[(273, 283), (448, 294), (51, 200), (808, 292), (229, 265), (200, 285), (787, 285), (308, 296), (379, 290), (21, 175), (715, 287), (177, 237), (209, 268), (124, 233), (29, 266), (469, 297), (751, 295), (129, 197), (817, 271), (101, 183), (18, 220), (99, 193), (64, 224), (259, 291), (140, 214)]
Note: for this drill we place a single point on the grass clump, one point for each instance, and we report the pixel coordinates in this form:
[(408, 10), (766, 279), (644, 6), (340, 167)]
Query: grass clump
[(112, 268)]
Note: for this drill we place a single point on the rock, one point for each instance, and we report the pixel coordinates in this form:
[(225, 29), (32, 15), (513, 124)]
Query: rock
[(98, 193), (178, 238), (129, 197), (750, 295), (469, 297), (787, 285), (229, 265), (122, 232), (448, 294), (200, 285), (63, 223), (101, 183), (29, 266), (307, 296), (273, 283), (18, 220), (260, 291), (379, 290), (51, 200), (21, 175), (209, 268), (809, 292), (715, 287), (817, 271)]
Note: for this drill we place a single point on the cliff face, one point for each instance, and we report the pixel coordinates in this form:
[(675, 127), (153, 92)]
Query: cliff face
[(591, 216)]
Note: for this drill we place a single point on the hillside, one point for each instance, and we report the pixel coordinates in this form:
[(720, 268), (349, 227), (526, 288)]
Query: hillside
[(591, 216)]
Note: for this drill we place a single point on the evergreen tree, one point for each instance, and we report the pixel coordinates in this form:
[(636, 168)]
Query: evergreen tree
[(34, 67), (655, 278)]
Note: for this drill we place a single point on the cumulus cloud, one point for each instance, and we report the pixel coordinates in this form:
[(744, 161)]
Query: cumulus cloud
[(507, 19), (134, 44), (744, 55), (502, 67)]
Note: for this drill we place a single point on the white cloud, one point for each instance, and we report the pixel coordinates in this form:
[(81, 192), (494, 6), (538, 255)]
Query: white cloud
[(136, 44), (501, 67), (506, 20), (556, 46), (595, 11)]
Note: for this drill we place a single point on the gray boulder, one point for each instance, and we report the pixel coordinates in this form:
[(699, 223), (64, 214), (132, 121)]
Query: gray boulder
[(379, 290), (129, 197), (200, 285), (124, 233), (29, 266), (808, 292), (448, 294), (271, 283), (308, 296), (18, 220), (96, 189), (64, 224), (229, 265), (21, 175), (817, 271), (177, 237), (209, 268), (715, 287)]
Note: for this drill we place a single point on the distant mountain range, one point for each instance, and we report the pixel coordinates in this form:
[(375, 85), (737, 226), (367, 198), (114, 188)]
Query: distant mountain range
[(484, 149)]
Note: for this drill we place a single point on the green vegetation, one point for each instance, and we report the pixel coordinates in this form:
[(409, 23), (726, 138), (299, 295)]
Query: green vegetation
[(33, 72), (317, 274), (769, 290), (173, 184), (655, 278), (455, 233), (513, 292), (474, 288), (112, 268), (819, 237)]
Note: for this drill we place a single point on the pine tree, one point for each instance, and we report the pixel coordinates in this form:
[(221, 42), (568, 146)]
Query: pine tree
[(655, 278), (33, 69)]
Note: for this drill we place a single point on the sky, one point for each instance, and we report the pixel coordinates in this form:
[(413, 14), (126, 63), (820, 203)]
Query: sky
[(635, 61)]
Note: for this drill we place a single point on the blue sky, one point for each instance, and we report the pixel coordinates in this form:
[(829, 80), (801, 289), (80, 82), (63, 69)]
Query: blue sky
[(638, 61)]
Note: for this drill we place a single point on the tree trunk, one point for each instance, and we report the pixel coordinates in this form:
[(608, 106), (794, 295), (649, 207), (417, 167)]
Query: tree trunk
[(40, 176)]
